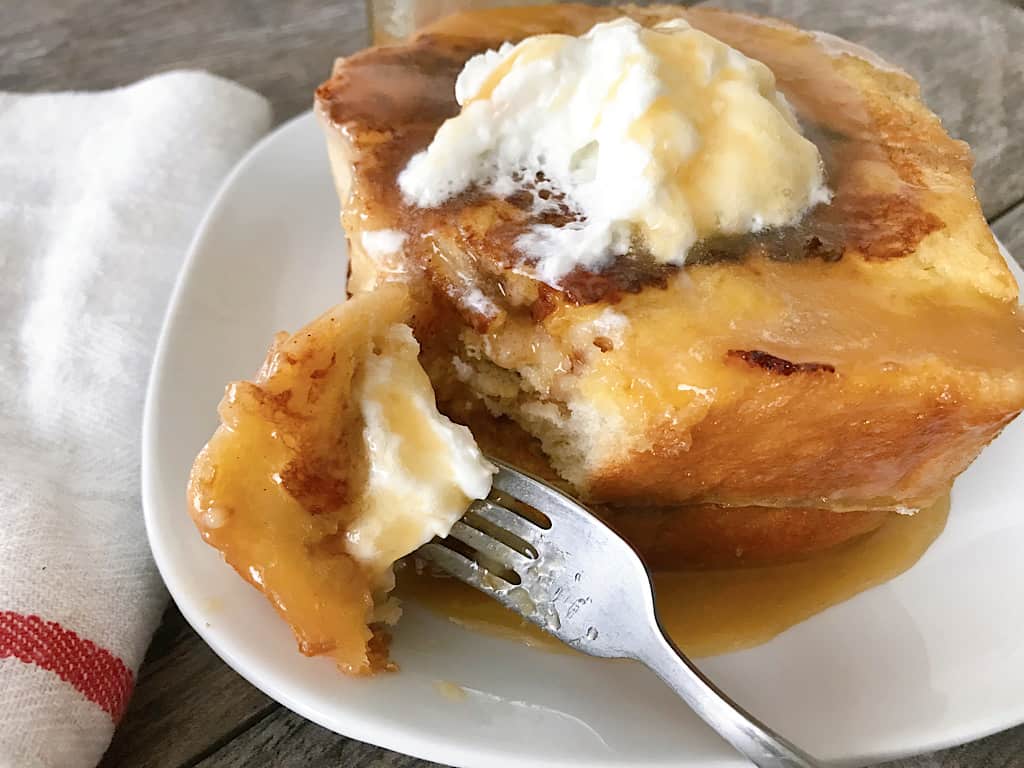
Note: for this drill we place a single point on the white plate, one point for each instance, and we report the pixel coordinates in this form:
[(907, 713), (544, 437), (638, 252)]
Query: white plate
[(932, 658)]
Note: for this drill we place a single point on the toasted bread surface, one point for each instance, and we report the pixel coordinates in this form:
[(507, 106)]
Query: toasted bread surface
[(857, 361)]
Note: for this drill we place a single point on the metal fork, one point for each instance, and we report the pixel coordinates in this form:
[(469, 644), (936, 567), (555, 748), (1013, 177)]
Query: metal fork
[(571, 575)]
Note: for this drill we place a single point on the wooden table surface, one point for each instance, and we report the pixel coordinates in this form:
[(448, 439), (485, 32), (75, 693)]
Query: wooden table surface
[(189, 708)]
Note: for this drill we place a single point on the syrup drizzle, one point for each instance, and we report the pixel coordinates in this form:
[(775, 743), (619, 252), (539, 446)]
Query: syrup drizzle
[(396, 97), (709, 612)]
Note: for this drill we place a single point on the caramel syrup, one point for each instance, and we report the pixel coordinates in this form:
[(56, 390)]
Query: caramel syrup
[(710, 612), (390, 101)]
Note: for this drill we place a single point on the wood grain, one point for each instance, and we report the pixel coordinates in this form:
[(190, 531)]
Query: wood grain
[(189, 708), (186, 704), (281, 49), (284, 739)]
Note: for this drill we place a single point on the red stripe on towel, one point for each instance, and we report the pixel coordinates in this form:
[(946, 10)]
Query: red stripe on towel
[(95, 672)]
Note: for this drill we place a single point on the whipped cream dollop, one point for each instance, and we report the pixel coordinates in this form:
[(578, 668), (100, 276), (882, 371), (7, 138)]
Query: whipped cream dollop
[(423, 470), (662, 135)]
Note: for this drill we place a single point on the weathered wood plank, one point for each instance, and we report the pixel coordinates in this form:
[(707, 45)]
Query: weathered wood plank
[(967, 56), (187, 703), (281, 49), (284, 740)]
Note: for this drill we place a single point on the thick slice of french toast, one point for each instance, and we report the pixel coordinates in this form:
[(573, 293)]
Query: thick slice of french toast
[(857, 361), (675, 537)]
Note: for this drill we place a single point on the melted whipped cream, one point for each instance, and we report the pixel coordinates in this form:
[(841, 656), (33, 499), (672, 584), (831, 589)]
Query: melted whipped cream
[(423, 470), (662, 136)]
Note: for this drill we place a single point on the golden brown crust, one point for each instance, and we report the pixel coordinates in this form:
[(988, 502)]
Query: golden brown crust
[(895, 440), (777, 365), (897, 177), (679, 538), (857, 362)]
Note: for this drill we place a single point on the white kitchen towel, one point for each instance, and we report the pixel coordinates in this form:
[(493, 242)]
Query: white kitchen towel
[(100, 194)]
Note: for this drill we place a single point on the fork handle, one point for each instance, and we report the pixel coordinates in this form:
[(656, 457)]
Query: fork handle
[(748, 735)]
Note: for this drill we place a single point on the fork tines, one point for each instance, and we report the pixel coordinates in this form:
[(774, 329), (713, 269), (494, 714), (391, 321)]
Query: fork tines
[(489, 545)]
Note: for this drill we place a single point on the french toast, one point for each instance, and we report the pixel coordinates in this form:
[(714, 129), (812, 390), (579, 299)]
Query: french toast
[(783, 391), (329, 466), (856, 362)]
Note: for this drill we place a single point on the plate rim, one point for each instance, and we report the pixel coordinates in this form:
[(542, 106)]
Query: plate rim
[(441, 750)]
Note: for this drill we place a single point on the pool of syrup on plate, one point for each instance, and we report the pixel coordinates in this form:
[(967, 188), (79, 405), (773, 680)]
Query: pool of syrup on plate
[(710, 612)]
